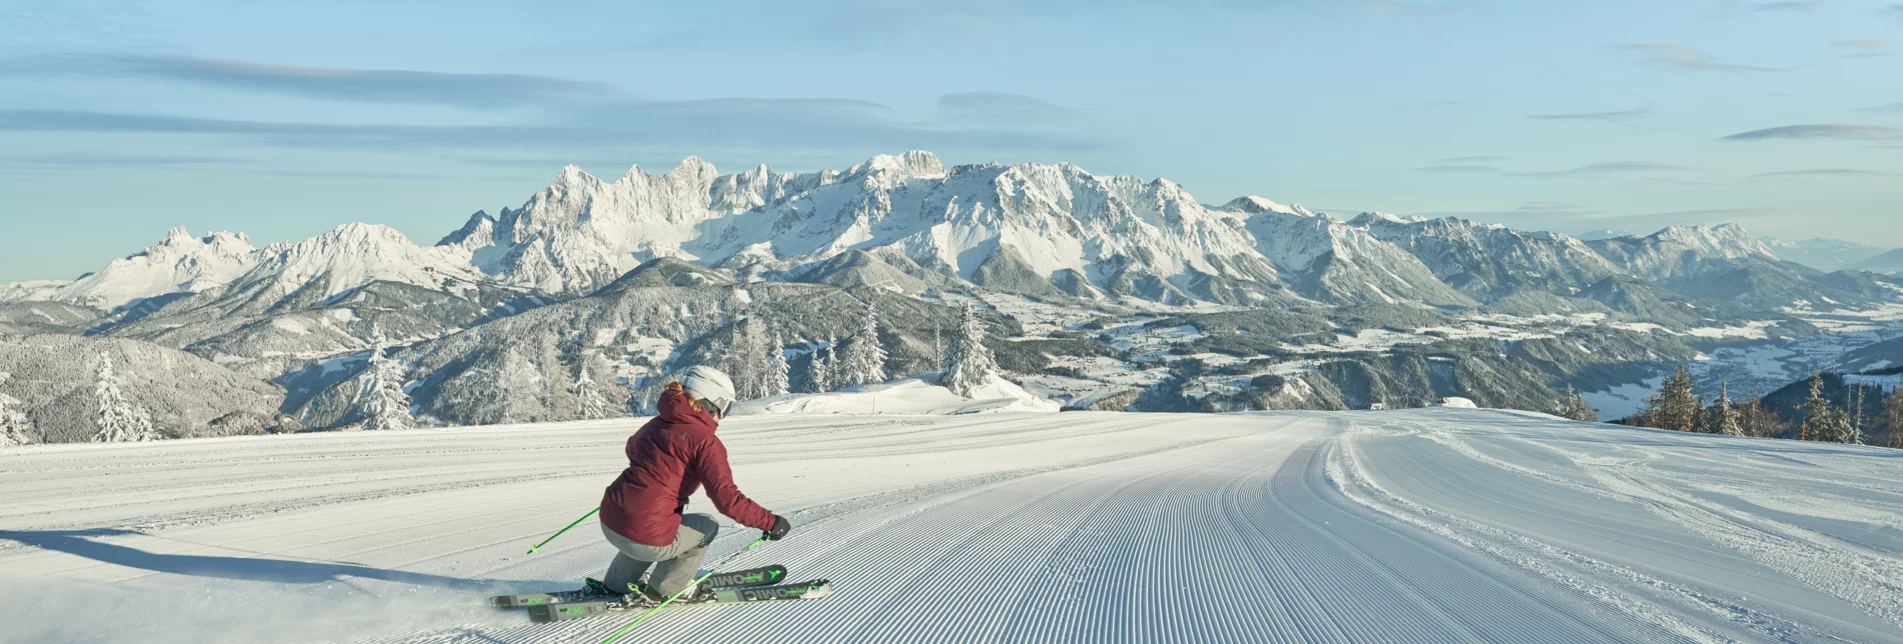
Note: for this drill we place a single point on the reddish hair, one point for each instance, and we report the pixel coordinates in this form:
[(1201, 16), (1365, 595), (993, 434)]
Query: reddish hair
[(691, 400)]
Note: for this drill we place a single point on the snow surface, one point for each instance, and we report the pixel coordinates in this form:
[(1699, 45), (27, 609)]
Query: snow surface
[(919, 395), (1408, 525)]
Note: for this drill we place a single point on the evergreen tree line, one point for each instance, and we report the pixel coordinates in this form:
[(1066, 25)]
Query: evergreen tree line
[(118, 420), (1676, 407)]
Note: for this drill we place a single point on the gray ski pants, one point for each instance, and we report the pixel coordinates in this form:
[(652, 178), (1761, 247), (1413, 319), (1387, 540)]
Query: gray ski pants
[(679, 561)]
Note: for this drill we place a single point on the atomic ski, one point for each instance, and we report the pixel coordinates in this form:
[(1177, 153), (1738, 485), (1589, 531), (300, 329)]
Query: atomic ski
[(815, 589), (750, 577)]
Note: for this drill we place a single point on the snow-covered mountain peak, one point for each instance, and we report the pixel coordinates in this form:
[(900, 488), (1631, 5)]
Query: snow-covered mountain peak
[(1253, 204), (1368, 218), (1724, 240), (1683, 250), (477, 233), (347, 257), (181, 262), (887, 169), (573, 176)]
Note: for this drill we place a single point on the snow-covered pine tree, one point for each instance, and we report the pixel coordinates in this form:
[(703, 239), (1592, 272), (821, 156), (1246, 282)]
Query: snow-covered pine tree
[(592, 402), (1584, 409), (1823, 421), (1755, 419), (938, 347), (1723, 417), (1673, 407), (779, 373), (117, 419), (759, 363), (820, 371), (1574, 407), (968, 362), (865, 357), (1893, 417), (1856, 409), (16, 428), (381, 402)]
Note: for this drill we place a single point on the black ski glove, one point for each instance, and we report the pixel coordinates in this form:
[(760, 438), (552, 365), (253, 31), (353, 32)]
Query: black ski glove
[(780, 528)]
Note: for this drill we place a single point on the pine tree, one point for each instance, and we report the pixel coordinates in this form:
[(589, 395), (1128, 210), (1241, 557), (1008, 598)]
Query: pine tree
[(1574, 407), (1824, 421), (16, 428), (381, 401), (1584, 409), (969, 363), (741, 360), (938, 347), (759, 360), (118, 420), (779, 373), (591, 400), (1755, 419), (819, 370), (1856, 407), (865, 357), (1723, 417), (1893, 417), (1673, 407)]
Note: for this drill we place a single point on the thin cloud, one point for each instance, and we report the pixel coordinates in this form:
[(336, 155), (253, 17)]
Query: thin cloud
[(1460, 169), (1000, 106), (1478, 159), (1628, 118), (1547, 206), (84, 160), (1827, 131), (1784, 6), (738, 123), (468, 91), (1591, 169), (1895, 108), (1615, 167), (1683, 57), (1862, 48), (1822, 172)]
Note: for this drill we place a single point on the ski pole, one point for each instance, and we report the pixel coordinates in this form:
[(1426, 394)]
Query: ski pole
[(670, 600), (558, 533)]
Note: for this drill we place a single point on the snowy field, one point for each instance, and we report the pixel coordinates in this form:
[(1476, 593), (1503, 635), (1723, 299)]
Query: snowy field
[(1417, 525)]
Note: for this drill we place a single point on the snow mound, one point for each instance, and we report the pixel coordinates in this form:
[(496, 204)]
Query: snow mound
[(1455, 401), (917, 395)]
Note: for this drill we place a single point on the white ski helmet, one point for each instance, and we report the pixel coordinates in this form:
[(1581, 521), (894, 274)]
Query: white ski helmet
[(709, 384)]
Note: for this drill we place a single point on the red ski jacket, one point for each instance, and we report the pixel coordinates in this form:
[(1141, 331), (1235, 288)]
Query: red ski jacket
[(668, 459)]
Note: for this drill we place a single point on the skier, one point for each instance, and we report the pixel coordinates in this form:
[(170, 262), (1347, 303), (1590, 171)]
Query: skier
[(668, 458)]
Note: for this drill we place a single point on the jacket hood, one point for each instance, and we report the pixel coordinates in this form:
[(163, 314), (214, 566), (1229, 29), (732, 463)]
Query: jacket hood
[(677, 409)]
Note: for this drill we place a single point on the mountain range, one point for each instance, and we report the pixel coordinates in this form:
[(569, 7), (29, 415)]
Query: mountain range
[(649, 265)]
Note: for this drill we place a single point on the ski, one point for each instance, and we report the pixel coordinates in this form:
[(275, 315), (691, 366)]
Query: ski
[(815, 589), (761, 576)]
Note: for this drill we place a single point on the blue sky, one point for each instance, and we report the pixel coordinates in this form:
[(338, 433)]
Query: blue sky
[(119, 120)]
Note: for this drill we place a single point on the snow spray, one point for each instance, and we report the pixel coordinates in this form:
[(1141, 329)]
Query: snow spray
[(710, 572)]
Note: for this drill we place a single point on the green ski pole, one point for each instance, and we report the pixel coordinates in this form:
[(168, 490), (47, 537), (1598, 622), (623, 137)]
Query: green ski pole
[(710, 572), (558, 533)]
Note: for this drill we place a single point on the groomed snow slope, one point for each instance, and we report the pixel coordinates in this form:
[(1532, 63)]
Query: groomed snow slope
[(1419, 525)]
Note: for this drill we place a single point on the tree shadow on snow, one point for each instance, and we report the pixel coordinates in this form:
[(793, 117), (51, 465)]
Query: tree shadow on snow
[(283, 571)]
